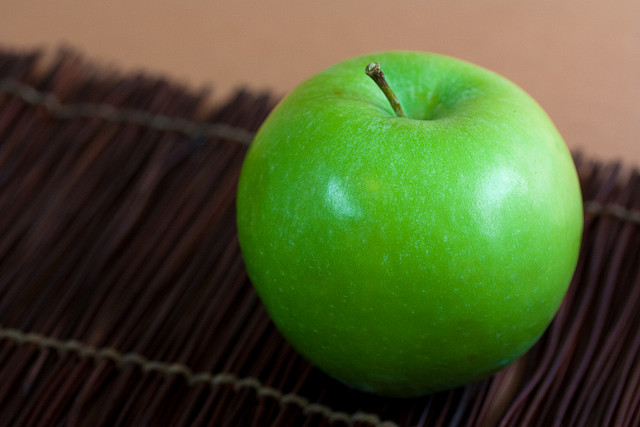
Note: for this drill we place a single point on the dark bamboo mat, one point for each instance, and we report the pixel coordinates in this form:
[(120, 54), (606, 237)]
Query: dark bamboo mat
[(124, 300)]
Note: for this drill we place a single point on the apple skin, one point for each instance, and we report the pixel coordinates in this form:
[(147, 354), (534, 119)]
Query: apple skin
[(405, 256)]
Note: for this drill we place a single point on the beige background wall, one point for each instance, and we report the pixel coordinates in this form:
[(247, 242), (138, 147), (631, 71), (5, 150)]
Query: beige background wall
[(579, 58)]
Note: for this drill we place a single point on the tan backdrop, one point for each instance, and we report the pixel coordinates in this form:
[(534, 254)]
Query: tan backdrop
[(579, 58)]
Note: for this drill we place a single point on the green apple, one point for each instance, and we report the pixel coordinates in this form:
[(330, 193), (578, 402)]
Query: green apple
[(407, 255)]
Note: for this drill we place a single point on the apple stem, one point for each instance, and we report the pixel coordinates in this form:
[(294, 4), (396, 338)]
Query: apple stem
[(373, 70)]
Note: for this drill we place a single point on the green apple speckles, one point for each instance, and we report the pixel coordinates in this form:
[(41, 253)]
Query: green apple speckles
[(409, 255)]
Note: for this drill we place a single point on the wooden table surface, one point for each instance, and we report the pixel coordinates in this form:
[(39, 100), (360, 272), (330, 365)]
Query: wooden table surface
[(579, 59)]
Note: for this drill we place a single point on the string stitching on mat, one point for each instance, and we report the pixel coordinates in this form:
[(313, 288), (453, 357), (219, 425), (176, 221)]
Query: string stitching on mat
[(161, 122), (87, 351), (613, 209), (59, 110)]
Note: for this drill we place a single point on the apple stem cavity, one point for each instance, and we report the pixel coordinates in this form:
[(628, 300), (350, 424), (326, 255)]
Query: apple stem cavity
[(373, 70)]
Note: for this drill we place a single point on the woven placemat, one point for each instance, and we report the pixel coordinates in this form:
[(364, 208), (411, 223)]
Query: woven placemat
[(124, 299)]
